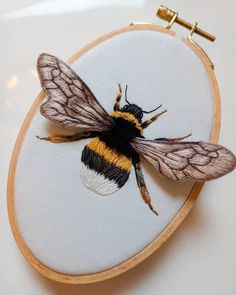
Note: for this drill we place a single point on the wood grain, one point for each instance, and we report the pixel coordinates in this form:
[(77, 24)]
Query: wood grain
[(172, 226)]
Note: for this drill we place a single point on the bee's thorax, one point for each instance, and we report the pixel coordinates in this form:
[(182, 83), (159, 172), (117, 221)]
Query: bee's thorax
[(126, 128)]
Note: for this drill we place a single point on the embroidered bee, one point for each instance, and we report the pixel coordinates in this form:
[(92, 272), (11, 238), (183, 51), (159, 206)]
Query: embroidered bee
[(117, 138)]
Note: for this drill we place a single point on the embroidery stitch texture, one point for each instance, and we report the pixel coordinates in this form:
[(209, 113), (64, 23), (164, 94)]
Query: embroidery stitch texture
[(118, 140)]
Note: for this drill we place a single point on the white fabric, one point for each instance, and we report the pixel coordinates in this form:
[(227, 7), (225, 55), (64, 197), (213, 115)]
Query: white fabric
[(72, 229)]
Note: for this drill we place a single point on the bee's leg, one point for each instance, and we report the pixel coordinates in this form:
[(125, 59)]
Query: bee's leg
[(145, 124), (142, 186), (176, 139), (67, 138), (116, 106)]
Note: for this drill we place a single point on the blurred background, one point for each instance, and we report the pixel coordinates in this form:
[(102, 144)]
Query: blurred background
[(200, 256)]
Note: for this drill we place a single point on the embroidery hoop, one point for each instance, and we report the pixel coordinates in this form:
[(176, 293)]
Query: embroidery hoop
[(175, 221)]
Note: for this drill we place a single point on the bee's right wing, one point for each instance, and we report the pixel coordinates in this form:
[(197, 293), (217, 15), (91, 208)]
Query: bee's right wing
[(70, 103), (198, 161)]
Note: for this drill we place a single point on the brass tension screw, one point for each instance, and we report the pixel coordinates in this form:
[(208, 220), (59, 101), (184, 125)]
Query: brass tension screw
[(171, 16)]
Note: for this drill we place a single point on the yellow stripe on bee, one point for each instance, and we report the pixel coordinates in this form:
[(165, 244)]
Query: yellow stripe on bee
[(127, 116), (110, 155)]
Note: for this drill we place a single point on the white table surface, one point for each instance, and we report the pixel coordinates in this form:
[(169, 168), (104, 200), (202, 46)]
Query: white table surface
[(200, 257)]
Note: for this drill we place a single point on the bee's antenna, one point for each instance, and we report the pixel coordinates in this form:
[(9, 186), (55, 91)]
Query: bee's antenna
[(126, 88), (145, 112)]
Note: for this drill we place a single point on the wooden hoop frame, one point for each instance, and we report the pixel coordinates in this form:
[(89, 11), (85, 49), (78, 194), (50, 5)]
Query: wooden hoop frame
[(171, 227)]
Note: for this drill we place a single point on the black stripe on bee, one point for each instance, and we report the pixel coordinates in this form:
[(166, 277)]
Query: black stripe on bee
[(97, 163)]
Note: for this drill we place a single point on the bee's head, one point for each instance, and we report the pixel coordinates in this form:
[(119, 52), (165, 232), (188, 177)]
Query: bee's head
[(135, 109)]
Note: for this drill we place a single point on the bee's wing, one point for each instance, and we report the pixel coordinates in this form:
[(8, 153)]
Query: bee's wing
[(195, 160), (70, 103)]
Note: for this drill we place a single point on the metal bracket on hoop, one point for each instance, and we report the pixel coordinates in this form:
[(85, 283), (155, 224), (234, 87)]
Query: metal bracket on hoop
[(172, 17)]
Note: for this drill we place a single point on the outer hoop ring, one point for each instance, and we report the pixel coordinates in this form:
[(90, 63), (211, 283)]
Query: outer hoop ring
[(171, 227)]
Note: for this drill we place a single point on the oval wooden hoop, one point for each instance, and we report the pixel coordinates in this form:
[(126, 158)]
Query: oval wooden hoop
[(172, 226)]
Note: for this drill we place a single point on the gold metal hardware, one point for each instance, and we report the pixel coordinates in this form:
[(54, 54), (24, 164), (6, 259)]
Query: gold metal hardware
[(172, 17), (190, 39)]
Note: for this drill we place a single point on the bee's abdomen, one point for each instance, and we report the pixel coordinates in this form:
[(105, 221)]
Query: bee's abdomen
[(103, 170)]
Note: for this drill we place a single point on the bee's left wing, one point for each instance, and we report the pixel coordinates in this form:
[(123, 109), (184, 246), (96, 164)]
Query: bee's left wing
[(198, 161), (70, 103)]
